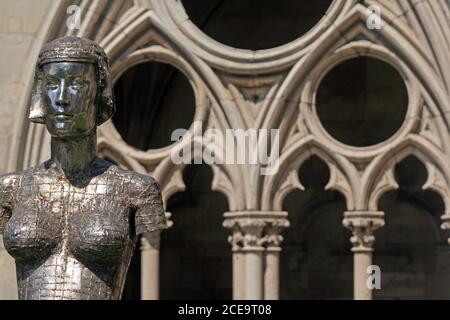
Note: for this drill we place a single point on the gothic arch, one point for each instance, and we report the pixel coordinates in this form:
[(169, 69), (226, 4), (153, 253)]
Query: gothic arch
[(276, 187), (379, 177)]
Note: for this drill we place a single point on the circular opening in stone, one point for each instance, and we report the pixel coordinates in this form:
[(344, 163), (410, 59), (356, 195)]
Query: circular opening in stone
[(152, 99), (255, 25), (362, 101), (314, 172)]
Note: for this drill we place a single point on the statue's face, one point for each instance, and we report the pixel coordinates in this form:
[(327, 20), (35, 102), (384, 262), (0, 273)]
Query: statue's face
[(68, 94)]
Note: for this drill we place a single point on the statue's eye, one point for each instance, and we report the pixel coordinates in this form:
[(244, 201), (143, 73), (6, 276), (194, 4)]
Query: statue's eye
[(77, 84), (52, 85)]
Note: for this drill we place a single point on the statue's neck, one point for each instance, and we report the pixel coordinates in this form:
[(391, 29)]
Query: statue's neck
[(74, 156)]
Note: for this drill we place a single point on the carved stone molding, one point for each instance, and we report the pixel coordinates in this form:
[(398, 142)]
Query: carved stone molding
[(243, 61), (273, 237), (386, 183), (363, 224), (255, 230)]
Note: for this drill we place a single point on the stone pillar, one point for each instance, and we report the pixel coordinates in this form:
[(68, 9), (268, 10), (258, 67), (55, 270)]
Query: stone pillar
[(235, 239), (255, 241), (150, 243), (362, 224), (253, 260), (150, 265), (273, 240)]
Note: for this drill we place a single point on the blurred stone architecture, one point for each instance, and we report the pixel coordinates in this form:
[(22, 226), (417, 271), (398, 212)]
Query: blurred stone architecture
[(362, 104)]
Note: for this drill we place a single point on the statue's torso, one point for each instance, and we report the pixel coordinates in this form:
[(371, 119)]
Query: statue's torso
[(74, 242)]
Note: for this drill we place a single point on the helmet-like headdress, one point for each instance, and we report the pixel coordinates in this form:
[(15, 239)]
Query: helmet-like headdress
[(75, 49)]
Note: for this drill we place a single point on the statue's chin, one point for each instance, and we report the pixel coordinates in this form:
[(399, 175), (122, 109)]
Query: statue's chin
[(66, 132)]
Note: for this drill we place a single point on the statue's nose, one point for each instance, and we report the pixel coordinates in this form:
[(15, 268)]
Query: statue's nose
[(62, 98)]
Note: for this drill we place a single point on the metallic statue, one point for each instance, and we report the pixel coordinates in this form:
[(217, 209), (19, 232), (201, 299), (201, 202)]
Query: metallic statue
[(71, 223)]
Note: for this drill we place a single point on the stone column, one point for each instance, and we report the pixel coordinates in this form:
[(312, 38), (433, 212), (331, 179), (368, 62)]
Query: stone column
[(150, 265), (249, 242), (362, 224), (248, 263), (273, 240), (235, 239), (150, 244), (253, 260)]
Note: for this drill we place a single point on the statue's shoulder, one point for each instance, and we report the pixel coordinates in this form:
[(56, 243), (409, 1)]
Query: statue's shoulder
[(9, 180), (136, 183), (144, 195), (12, 179), (15, 178)]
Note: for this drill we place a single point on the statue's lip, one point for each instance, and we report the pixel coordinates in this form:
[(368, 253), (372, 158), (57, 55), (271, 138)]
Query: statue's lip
[(63, 116)]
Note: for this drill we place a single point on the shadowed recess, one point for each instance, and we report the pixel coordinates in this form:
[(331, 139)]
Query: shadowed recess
[(314, 172), (410, 172), (153, 99), (195, 256), (362, 101), (315, 261), (255, 25), (411, 249)]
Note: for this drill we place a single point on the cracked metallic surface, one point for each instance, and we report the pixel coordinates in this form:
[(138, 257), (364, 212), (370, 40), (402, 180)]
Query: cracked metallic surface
[(72, 222)]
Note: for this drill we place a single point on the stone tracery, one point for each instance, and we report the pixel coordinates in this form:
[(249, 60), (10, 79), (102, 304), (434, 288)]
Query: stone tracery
[(288, 76)]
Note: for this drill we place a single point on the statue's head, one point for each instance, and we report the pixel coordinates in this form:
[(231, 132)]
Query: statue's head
[(72, 91)]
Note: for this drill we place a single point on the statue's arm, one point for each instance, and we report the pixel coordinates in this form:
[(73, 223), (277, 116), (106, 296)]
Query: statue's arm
[(7, 183), (149, 208)]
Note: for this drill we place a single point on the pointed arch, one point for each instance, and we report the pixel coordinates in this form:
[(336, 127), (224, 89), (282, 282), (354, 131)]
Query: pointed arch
[(378, 177), (343, 175)]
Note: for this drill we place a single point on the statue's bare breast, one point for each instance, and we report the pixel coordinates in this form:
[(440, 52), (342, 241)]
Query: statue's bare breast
[(76, 241)]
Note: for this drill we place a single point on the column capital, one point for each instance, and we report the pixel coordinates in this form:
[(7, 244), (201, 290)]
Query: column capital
[(255, 230), (273, 237), (363, 224)]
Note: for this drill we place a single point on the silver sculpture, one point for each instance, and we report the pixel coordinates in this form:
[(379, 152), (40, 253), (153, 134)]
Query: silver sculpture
[(71, 223)]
